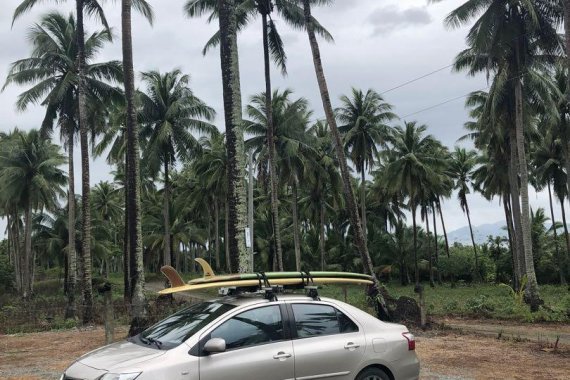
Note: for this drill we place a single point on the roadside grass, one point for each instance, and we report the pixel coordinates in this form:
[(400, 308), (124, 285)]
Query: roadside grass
[(489, 301), (473, 301)]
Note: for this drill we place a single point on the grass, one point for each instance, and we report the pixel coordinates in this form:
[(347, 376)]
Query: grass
[(478, 301), (474, 301)]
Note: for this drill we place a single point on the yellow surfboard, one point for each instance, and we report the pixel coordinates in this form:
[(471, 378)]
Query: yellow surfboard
[(210, 280)]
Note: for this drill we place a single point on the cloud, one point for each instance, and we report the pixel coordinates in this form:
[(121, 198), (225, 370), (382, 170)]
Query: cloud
[(385, 20)]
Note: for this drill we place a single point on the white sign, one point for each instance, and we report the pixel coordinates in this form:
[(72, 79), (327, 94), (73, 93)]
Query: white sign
[(247, 237)]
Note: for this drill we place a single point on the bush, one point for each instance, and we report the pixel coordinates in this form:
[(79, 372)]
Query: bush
[(6, 273)]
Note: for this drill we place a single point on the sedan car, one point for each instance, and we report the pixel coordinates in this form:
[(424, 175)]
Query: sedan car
[(250, 337)]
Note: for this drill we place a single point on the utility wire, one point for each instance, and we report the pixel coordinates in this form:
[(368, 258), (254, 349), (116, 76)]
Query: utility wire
[(416, 79), (430, 73), (456, 98)]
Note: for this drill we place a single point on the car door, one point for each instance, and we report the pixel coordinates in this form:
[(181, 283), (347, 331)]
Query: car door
[(327, 343), (258, 346)]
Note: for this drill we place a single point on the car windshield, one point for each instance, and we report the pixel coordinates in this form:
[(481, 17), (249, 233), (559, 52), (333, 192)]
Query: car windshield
[(177, 328)]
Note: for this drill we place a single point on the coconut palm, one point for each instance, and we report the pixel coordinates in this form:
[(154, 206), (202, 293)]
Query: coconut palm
[(324, 183), (210, 169), (359, 239), (290, 121), (412, 167), (32, 180), (547, 162), (52, 72), (133, 190), (170, 112), (462, 165), (508, 38), (363, 121), (244, 11)]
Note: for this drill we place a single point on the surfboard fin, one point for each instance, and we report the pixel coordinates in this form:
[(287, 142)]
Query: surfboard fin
[(206, 268), (173, 276)]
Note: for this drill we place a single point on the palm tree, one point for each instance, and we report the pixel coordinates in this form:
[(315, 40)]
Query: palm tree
[(52, 70), (210, 169), (363, 118), (237, 204), (412, 167), (94, 8), (133, 196), (324, 182), (508, 38), (32, 180), (241, 14), (290, 121), (547, 162), (359, 238), (170, 112), (461, 168)]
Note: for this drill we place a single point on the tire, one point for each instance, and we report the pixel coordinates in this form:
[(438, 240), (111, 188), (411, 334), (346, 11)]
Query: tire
[(372, 373)]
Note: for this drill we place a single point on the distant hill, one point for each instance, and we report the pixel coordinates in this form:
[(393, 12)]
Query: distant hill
[(481, 233)]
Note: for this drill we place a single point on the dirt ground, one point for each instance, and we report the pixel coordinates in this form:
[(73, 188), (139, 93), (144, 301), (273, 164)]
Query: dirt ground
[(444, 355)]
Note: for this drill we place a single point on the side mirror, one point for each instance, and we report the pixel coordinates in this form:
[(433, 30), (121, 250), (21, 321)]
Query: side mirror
[(215, 345)]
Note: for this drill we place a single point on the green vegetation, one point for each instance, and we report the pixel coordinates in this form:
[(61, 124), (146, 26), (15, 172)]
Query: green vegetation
[(176, 187)]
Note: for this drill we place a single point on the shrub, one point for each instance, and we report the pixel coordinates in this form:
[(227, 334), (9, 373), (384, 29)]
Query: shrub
[(6, 273)]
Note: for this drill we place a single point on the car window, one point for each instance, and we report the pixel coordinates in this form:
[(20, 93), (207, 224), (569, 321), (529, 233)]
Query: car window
[(345, 323), (177, 328), (313, 320), (252, 327)]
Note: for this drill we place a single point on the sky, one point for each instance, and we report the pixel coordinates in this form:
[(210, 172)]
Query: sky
[(379, 44)]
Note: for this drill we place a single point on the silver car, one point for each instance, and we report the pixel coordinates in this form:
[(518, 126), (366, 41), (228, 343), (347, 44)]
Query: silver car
[(251, 337)]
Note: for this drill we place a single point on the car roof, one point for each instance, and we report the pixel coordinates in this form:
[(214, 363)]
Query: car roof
[(248, 299)]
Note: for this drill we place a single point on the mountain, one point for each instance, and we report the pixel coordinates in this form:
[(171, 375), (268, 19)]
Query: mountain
[(481, 233)]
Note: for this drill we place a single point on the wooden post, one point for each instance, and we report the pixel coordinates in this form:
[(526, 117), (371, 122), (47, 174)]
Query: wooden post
[(108, 312)]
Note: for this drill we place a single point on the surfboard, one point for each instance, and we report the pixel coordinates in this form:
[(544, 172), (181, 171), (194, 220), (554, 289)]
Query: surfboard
[(210, 280)]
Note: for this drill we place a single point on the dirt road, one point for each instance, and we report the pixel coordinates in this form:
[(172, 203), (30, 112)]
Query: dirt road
[(444, 356)]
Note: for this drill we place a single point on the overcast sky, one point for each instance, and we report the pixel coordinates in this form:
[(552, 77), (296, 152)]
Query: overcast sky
[(379, 44)]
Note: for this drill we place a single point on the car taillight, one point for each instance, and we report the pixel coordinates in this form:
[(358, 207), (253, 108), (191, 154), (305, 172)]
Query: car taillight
[(411, 341)]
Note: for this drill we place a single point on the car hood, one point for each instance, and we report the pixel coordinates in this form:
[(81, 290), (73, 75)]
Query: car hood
[(119, 355)]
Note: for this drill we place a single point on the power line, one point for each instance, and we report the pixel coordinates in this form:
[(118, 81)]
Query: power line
[(416, 79), (456, 98), (431, 73)]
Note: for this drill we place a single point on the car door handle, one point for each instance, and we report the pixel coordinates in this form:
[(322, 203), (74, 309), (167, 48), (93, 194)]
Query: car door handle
[(282, 356), (351, 346)]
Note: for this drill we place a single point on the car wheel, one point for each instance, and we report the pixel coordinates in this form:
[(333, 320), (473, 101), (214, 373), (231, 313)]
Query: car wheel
[(373, 374)]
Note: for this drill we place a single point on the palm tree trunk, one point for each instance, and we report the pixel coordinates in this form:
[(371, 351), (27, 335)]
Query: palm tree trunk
[(251, 212), (430, 252), (363, 202), (296, 234), (166, 257), (416, 268), (512, 238), (322, 235), (71, 279), (234, 135), (271, 145), (359, 240), (477, 270), (126, 249), (27, 286), (516, 208), (443, 227), (136, 257), (15, 243), (226, 240), (217, 232), (565, 232), (532, 293), (85, 184), (436, 243), (554, 230), (566, 6)]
